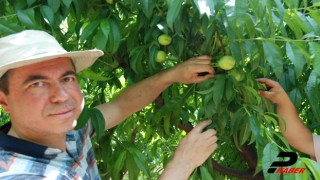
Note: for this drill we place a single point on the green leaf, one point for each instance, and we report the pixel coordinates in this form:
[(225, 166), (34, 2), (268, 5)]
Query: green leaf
[(147, 7), (27, 18), (292, 24), (88, 73), (250, 25), (245, 133), (166, 124), (140, 160), (299, 176), (132, 168), (297, 58), (114, 37), (292, 4), (173, 12), (105, 27), (236, 123), (255, 127), (274, 57), (205, 173), (98, 122), (312, 89), (315, 56), (67, 3), (83, 118), (118, 166), (241, 8), (270, 154), (259, 9), (89, 30), (207, 91), (229, 89), (9, 27), (30, 2), (2, 8), (218, 87), (312, 166), (252, 93), (101, 40), (54, 4), (136, 57), (48, 14)]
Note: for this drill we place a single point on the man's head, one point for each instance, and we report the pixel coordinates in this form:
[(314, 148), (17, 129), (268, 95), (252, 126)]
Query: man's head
[(38, 84)]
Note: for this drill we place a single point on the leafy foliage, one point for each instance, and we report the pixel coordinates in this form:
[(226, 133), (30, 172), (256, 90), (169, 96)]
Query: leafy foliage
[(275, 39)]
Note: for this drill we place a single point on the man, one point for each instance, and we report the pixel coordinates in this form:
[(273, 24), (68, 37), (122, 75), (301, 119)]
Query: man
[(39, 91)]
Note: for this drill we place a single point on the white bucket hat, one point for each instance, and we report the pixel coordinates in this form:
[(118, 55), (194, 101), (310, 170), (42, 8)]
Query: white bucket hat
[(33, 46)]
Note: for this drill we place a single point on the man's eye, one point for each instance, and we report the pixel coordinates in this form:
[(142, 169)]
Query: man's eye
[(68, 79), (37, 84)]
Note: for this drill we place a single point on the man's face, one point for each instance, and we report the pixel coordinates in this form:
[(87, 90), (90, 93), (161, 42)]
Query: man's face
[(44, 98)]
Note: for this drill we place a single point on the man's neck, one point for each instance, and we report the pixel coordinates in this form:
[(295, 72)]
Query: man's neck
[(53, 141)]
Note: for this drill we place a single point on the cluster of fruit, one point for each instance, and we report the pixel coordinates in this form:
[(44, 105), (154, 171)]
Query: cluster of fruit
[(164, 40), (227, 63)]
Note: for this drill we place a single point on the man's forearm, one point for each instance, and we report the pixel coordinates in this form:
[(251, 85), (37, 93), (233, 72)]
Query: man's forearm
[(144, 92), (176, 171), (296, 133), (134, 98)]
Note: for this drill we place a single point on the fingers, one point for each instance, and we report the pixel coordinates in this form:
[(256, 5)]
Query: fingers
[(268, 82), (204, 68), (202, 59), (200, 127), (266, 94), (201, 64), (210, 137)]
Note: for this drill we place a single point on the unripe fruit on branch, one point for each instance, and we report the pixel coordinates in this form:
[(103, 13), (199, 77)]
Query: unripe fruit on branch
[(226, 62), (161, 56), (109, 1), (238, 76), (164, 39)]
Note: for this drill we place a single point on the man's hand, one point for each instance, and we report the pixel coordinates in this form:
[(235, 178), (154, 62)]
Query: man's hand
[(198, 145), (188, 71), (192, 151), (276, 93)]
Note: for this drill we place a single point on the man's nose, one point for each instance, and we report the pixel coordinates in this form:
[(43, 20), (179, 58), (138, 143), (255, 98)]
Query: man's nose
[(58, 93)]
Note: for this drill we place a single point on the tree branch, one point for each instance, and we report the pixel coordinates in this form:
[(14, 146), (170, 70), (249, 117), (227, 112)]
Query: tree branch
[(236, 173)]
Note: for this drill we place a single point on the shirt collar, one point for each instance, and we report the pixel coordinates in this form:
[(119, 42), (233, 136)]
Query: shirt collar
[(10, 143)]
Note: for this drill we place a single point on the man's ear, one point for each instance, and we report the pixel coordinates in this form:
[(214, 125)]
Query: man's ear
[(3, 102)]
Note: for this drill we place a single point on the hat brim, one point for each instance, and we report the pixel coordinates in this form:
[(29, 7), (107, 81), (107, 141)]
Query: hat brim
[(81, 59)]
